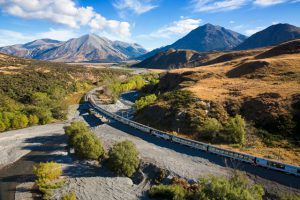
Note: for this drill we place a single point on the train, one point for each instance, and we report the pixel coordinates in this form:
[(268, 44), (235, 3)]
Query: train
[(258, 161)]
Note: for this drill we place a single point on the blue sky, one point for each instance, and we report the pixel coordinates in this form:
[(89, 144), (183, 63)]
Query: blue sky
[(151, 23)]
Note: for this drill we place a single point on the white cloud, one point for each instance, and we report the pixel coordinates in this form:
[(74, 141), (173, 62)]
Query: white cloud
[(268, 2), (249, 32), (137, 6), (226, 5), (215, 6), (64, 12), (231, 22), (8, 37), (181, 27)]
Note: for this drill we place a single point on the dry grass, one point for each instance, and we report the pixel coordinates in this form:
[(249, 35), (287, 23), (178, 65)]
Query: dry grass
[(279, 74)]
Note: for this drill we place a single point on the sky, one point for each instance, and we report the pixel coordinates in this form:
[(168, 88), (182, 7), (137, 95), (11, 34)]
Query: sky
[(150, 23)]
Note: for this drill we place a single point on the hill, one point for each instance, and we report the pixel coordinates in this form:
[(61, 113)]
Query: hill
[(270, 36), (88, 48), (39, 92), (170, 59), (204, 38), (261, 85)]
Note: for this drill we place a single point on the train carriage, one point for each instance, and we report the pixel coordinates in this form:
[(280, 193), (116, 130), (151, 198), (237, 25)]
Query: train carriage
[(202, 146)]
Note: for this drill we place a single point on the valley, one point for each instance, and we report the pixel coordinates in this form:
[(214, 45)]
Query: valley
[(213, 115)]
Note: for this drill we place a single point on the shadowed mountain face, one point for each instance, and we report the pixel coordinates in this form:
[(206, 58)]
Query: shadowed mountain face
[(272, 35), (88, 48), (204, 38), (171, 59)]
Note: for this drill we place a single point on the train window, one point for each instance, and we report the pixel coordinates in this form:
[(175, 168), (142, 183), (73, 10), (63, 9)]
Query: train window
[(277, 165)]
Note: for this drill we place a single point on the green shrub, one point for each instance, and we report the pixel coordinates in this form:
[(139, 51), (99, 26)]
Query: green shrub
[(88, 146), (19, 121), (33, 120), (69, 196), (145, 101), (210, 128), (2, 126), (235, 129), (48, 171), (124, 158), (75, 128), (236, 188), (169, 192)]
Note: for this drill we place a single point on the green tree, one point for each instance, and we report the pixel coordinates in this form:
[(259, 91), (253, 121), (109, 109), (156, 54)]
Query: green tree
[(235, 129), (19, 121), (124, 158), (88, 146), (33, 120), (41, 99), (74, 129), (2, 126), (210, 128), (236, 188), (145, 101), (168, 192)]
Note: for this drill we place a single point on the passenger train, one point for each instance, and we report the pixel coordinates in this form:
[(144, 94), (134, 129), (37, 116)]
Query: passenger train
[(199, 145)]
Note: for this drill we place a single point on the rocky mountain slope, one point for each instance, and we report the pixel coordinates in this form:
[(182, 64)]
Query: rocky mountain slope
[(204, 38), (270, 36), (88, 48)]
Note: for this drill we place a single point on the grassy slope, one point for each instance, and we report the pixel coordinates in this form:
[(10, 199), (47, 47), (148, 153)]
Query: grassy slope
[(246, 78)]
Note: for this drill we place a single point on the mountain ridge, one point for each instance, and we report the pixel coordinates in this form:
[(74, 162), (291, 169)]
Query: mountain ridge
[(87, 48), (272, 35), (204, 39)]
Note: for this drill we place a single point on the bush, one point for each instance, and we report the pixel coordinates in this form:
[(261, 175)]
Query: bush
[(169, 192), (19, 121), (69, 196), (85, 143), (235, 129), (236, 188), (48, 171), (33, 120), (88, 146), (2, 126), (48, 177), (124, 158), (73, 129), (210, 128), (145, 101)]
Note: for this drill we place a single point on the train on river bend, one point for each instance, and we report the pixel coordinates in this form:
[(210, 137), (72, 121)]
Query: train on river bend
[(290, 169)]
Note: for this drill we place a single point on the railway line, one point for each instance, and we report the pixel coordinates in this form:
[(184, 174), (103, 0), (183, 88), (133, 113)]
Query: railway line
[(256, 161)]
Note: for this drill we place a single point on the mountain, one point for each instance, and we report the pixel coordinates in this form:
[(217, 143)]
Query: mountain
[(204, 38), (272, 35), (170, 59), (87, 48)]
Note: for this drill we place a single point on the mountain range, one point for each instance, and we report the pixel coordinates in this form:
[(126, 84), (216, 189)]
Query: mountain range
[(204, 38), (87, 48)]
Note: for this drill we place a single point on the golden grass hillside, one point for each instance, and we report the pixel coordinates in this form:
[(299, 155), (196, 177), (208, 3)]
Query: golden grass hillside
[(261, 84)]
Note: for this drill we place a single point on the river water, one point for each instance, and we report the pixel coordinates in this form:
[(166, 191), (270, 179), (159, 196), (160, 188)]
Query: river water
[(21, 170)]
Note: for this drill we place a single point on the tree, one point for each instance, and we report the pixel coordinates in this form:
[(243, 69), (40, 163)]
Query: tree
[(73, 129), (19, 121), (2, 126), (145, 101), (88, 146), (33, 120), (124, 158), (170, 192), (48, 171), (235, 129), (210, 128), (236, 188)]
